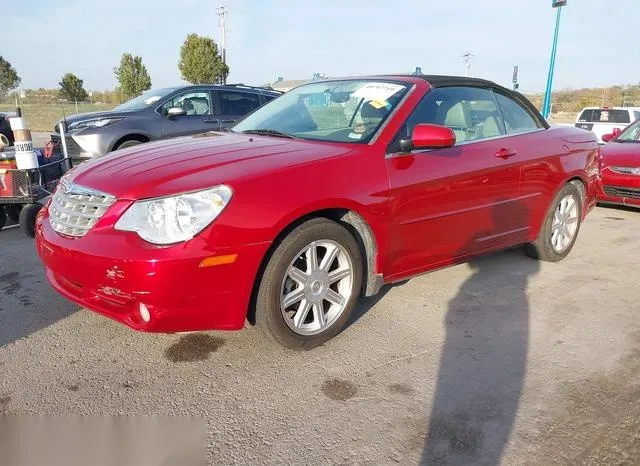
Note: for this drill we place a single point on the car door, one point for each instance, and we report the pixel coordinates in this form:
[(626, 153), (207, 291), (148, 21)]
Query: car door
[(234, 105), (449, 203), (540, 156), (198, 117)]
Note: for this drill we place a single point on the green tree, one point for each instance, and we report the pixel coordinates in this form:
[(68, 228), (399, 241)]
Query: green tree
[(200, 62), (132, 76), (9, 78), (71, 88)]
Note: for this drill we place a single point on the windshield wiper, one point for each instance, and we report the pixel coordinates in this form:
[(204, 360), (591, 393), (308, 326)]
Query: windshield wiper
[(268, 132)]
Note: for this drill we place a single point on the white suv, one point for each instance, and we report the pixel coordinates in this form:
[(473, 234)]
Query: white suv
[(603, 120)]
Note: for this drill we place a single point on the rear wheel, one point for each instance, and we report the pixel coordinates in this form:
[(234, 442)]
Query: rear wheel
[(560, 228), (13, 212), (310, 285), (28, 219)]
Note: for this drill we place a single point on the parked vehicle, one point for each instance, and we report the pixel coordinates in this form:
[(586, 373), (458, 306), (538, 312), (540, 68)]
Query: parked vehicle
[(160, 114), (23, 192), (321, 196), (5, 126), (603, 120), (620, 167)]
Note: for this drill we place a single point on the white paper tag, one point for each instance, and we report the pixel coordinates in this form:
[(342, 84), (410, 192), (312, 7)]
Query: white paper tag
[(355, 136), (377, 91)]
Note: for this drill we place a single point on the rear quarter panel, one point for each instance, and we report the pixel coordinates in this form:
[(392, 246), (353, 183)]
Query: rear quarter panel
[(551, 158)]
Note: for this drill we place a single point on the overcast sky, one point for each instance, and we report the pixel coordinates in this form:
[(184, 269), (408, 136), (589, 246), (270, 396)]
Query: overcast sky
[(43, 39)]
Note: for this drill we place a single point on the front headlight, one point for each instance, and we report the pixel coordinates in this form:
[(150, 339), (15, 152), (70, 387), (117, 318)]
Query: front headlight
[(175, 219), (93, 123)]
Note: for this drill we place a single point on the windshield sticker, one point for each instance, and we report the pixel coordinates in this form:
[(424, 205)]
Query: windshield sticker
[(379, 92), (152, 100), (604, 116), (378, 104), (355, 136)]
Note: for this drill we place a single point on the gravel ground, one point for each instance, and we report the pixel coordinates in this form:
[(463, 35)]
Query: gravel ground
[(501, 361)]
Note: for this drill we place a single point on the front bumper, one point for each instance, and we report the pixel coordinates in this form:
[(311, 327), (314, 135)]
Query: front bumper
[(113, 272), (83, 146), (619, 189)]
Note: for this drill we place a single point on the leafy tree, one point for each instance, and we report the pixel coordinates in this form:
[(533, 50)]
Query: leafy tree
[(71, 88), (132, 76), (9, 78), (200, 62)]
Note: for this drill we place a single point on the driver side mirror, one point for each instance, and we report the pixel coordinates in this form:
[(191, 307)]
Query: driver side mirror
[(609, 137), (174, 112), (427, 136)]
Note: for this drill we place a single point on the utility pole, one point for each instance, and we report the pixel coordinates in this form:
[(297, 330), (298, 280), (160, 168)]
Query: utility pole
[(466, 58), (546, 108), (222, 16)]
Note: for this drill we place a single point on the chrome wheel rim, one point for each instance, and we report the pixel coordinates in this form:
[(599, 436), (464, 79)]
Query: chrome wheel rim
[(565, 223), (317, 287)]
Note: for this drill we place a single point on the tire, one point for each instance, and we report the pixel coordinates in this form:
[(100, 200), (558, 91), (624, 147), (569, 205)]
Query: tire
[(28, 219), (128, 143), (545, 248), (293, 252), (3, 217), (13, 212)]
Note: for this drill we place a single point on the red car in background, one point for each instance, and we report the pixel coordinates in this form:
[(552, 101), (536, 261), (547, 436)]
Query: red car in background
[(321, 196), (620, 167)]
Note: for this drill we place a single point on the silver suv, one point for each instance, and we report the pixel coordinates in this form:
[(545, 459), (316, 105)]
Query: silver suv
[(159, 114)]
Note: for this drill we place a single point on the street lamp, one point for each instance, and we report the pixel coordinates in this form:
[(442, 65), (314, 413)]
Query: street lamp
[(558, 4)]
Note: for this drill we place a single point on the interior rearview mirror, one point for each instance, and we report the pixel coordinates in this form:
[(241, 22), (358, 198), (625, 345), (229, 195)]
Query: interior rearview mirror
[(427, 136), (175, 112)]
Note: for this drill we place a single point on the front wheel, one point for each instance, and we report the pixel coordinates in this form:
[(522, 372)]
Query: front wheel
[(3, 216), (560, 228), (128, 143), (310, 285)]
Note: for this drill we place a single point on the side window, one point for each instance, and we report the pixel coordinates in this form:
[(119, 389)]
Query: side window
[(195, 103), (636, 115), (472, 113), (238, 103), (516, 118)]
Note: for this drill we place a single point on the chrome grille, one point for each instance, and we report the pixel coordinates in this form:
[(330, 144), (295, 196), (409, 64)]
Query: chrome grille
[(74, 209)]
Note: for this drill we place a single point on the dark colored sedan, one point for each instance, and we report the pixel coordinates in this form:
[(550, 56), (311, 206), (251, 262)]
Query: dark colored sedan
[(160, 114), (620, 167)]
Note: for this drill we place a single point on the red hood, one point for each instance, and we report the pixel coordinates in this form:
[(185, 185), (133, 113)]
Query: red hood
[(621, 154), (196, 162)]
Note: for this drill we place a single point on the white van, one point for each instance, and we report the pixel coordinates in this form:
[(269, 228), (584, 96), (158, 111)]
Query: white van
[(603, 120)]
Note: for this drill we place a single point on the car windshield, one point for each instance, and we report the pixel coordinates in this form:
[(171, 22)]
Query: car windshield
[(631, 134), (335, 111), (145, 100)]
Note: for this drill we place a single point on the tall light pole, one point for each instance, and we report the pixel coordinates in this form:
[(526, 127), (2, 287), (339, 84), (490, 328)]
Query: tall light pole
[(466, 58), (222, 16), (546, 109)]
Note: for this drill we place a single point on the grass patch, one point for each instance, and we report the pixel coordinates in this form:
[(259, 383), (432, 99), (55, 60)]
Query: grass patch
[(42, 117)]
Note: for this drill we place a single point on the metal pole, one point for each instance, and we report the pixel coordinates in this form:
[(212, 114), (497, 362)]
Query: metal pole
[(547, 95)]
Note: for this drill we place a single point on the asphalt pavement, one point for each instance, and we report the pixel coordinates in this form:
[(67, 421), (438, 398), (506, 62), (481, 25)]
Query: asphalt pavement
[(505, 360)]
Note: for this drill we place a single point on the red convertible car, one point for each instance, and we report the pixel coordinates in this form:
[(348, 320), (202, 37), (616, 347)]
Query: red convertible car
[(325, 194), (620, 167)]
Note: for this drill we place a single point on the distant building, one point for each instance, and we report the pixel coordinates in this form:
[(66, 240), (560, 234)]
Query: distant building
[(285, 85)]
